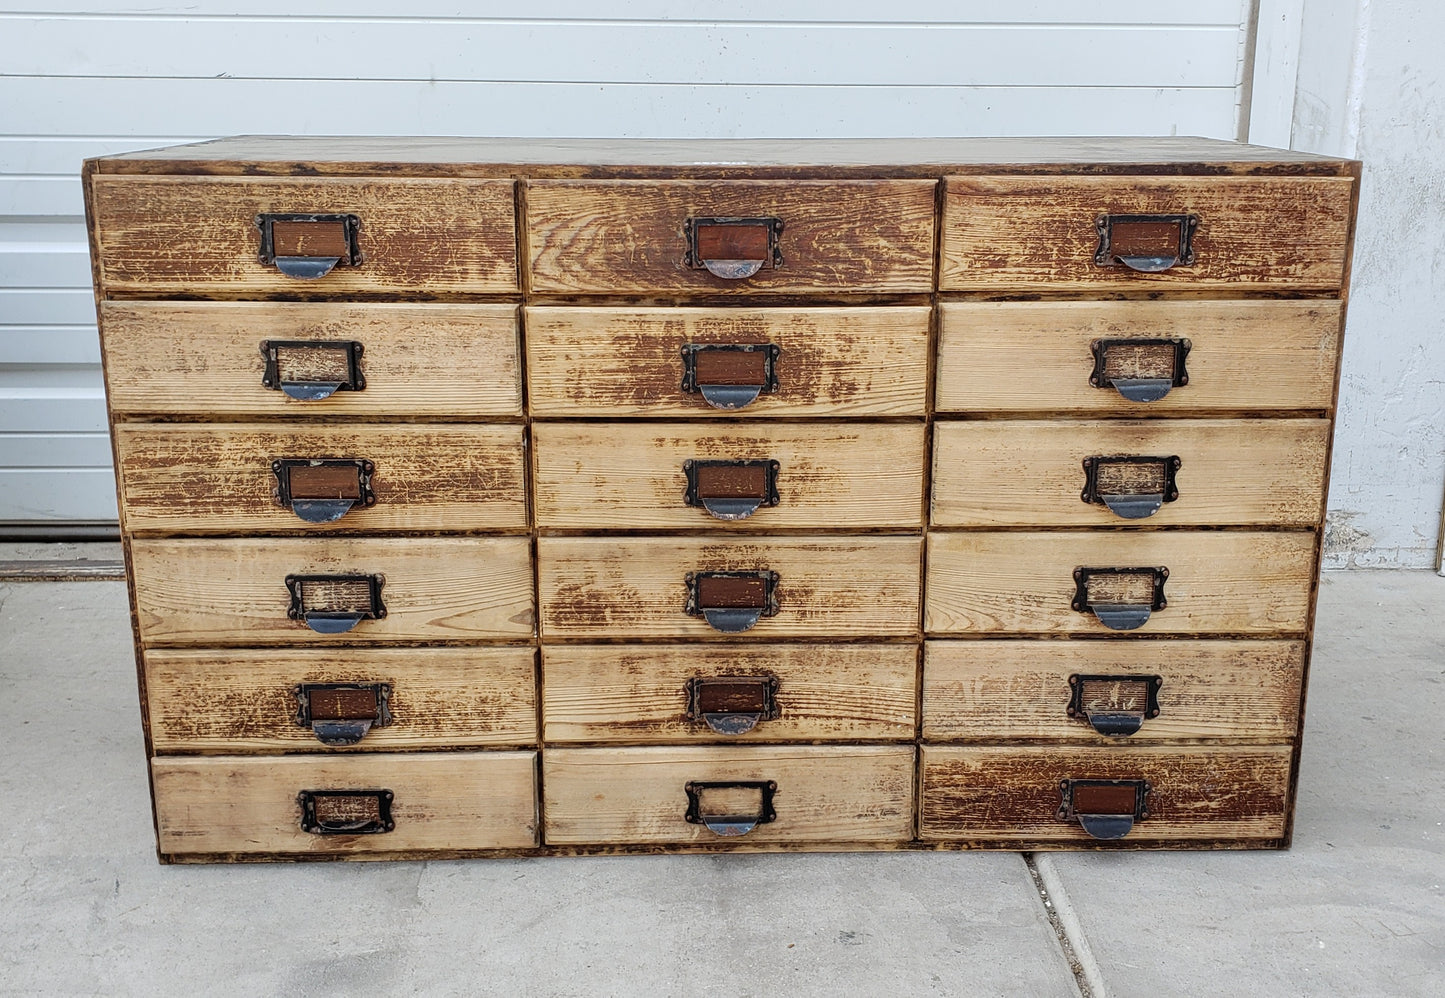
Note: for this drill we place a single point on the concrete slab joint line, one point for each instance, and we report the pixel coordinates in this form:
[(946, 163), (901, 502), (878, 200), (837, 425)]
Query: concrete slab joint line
[(1065, 921)]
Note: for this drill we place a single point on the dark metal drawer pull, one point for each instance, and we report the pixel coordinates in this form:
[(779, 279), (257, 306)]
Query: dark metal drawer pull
[(731, 808), (334, 604), (346, 812), (342, 713), (730, 376), (732, 601), (1122, 598), (1106, 808), (1132, 487), (1114, 705), (732, 248), (323, 490), (1149, 244), (309, 370), (308, 246), (731, 490), (732, 705), (1141, 370)]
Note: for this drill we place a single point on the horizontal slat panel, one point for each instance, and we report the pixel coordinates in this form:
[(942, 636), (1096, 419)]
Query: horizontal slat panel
[(62, 154), (43, 379), (75, 410), (41, 195), (49, 345), (56, 494), (45, 264), (47, 306), (54, 450)]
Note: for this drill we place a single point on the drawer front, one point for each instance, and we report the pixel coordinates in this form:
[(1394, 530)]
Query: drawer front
[(1113, 473), (1042, 233), (444, 801), (200, 235), (235, 592), (1097, 691), (185, 358), (1024, 583), (1041, 356), (320, 700), (630, 362), (660, 475), (620, 237), (202, 478), (853, 793), (637, 587), (658, 694), (1195, 794)]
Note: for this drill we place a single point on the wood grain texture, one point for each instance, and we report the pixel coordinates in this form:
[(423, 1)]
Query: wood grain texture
[(1030, 473), (989, 793), (638, 694), (184, 235), (831, 475), (626, 587), (1036, 234), (1022, 583), (995, 690), (203, 359), (241, 701), (1035, 357), (443, 800), (855, 793), (628, 362), (233, 591), (619, 237)]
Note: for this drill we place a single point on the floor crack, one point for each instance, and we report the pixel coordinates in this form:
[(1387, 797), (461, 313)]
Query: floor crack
[(1080, 961)]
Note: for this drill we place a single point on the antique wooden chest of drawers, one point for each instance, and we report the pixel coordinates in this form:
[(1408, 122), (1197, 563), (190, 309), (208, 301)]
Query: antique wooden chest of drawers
[(492, 496)]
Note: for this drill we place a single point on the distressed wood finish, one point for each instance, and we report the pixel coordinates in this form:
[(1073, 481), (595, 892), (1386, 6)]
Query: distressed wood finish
[(626, 237), (1245, 691), (1031, 234), (1199, 794), (232, 591), (203, 359), (638, 693), (856, 793), (241, 701), (628, 361)]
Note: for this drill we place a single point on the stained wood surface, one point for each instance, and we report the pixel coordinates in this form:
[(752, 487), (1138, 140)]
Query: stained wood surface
[(638, 693), (203, 359), (183, 235), (619, 237), (1027, 234), (1247, 690), (624, 362), (1012, 792), (241, 701), (855, 793), (443, 800), (1022, 583), (233, 591), (1031, 473), (1035, 356)]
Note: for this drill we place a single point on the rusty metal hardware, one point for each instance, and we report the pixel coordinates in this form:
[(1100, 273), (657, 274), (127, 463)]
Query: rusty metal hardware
[(308, 246), (732, 602), (730, 376), (342, 713), (309, 370), (1132, 487), (334, 604), (322, 490), (346, 812), (1122, 598), (732, 248), (732, 705), (1141, 370), (1149, 244), (1106, 808), (1114, 705), (731, 490), (732, 807)]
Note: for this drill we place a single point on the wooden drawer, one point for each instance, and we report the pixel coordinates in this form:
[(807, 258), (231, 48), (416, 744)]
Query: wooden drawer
[(651, 694), (235, 592), (1200, 795), (1024, 583), (212, 478), (1027, 234), (444, 801), (630, 362), (207, 359), (632, 236), (1019, 473), (1240, 690), (637, 587), (200, 235), (248, 700), (642, 475), (855, 793), (1040, 356)]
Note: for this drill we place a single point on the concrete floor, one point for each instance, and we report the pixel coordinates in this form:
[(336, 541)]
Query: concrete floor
[(1356, 908)]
